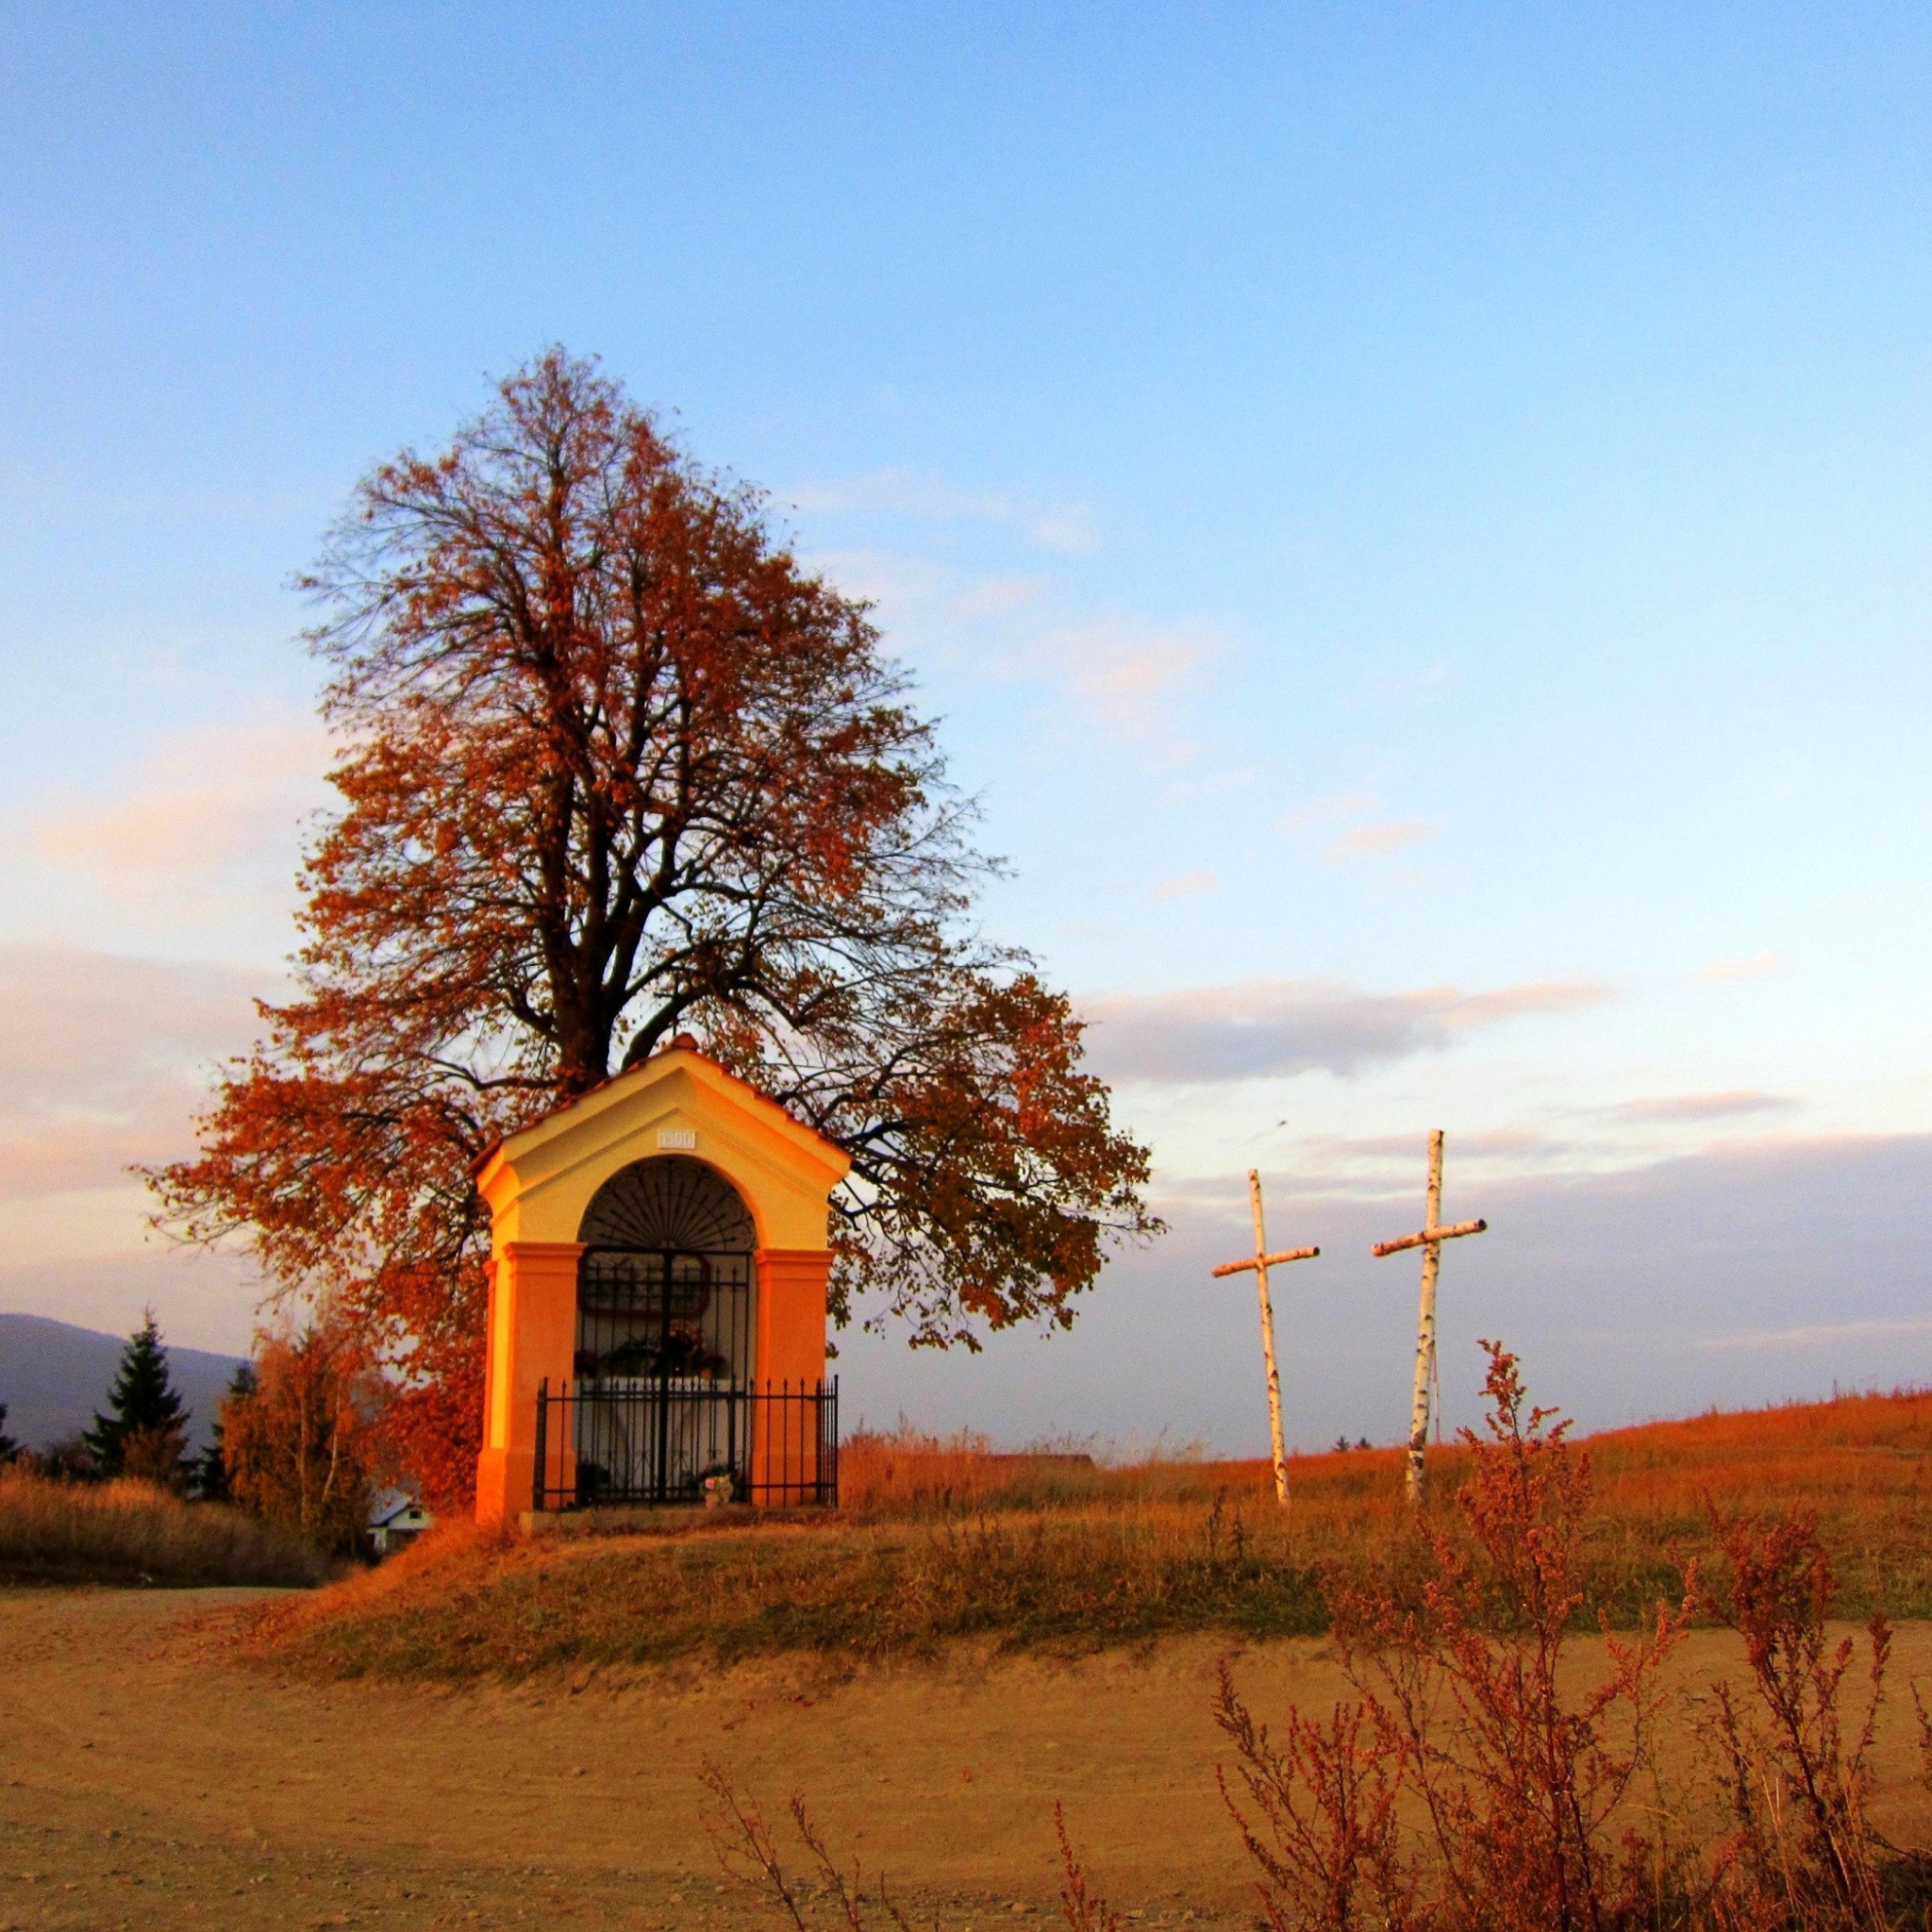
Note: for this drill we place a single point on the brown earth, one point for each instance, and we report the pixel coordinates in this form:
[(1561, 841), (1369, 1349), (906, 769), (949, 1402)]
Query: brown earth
[(152, 1776)]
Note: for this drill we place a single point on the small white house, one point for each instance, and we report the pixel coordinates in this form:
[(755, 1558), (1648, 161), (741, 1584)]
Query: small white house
[(396, 1518)]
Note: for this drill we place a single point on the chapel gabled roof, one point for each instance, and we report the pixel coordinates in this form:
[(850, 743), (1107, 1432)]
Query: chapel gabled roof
[(682, 1046)]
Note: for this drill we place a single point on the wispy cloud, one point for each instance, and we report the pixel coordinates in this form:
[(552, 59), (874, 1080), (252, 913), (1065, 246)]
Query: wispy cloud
[(1133, 680), (1665, 1109), (1379, 838), (1325, 811), (996, 597), (1758, 966), (1367, 836), (205, 805), (922, 599), (1275, 1028), (1332, 1159), (1067, 528), (1813, 1335), (1532, 996), (1186, 885), (103, 1060)]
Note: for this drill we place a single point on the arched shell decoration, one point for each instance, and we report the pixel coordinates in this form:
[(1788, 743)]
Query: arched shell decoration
[(669, 1202)]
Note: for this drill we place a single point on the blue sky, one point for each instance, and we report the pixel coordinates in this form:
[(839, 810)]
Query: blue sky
[(1414, 520)]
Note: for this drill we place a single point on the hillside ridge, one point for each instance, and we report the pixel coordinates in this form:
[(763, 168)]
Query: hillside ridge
[(54, 1376)]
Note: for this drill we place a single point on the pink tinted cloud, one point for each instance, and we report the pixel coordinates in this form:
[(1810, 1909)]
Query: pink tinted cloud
[(105, 1060), (1274, 1028), (1380, 838), (205, 804), (1325, 812), (1705, 1107), (1186, 885), (1757, 966), (1130, 679)]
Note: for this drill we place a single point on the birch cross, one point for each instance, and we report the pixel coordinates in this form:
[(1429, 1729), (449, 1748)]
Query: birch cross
[(1261, 1263), (1430, 1241)]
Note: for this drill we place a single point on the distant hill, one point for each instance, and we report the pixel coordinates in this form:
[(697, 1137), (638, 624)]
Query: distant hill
[(54, 1376)]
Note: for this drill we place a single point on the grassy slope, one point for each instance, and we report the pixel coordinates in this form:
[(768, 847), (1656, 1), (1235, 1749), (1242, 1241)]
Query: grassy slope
[(938, 1542)]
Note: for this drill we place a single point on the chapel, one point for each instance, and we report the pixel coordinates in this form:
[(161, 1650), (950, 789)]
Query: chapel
[(659, 1257)]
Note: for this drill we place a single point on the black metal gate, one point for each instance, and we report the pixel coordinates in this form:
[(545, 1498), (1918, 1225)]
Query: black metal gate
[(663, 1347), (776, 1446)]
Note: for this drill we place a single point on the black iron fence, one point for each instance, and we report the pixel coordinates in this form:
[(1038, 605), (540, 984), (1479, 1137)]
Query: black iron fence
[(671, 1439)]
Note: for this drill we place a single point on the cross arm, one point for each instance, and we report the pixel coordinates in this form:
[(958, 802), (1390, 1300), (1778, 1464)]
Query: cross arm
[(1428, 1235), (1267, 1260)]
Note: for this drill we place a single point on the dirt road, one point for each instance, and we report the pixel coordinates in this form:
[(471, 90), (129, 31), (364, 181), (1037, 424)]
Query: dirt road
[(148, 1778)]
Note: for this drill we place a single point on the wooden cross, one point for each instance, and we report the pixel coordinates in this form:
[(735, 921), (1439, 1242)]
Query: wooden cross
[(1261, 1263), (1430, 1241)]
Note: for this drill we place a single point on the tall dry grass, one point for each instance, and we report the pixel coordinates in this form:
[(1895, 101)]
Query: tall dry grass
[(1859, 1466), (130, 1532), (1863, 1453)]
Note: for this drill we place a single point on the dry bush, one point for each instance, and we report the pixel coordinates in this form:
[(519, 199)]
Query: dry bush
[(1326, 1834), (129, 1531), (1805, 1852), (825, 1893), (1474, 1785), (1514, 1775), (157, 1455)]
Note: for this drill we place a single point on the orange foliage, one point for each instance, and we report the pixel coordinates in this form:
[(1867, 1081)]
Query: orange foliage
[(298, 1446)]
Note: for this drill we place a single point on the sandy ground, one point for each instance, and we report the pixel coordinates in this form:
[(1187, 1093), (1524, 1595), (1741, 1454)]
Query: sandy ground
[(148, 1778)]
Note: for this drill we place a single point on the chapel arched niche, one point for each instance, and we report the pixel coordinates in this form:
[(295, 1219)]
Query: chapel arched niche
[(670, 1200), (666, 1284)]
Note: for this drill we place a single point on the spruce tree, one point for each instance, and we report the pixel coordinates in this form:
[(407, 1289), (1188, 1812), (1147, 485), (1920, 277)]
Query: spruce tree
[(144, 1413), (210, 1468), (9, 1449)]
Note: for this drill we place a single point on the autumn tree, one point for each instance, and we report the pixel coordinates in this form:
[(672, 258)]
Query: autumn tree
[(298, 1439), (617, 766)]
